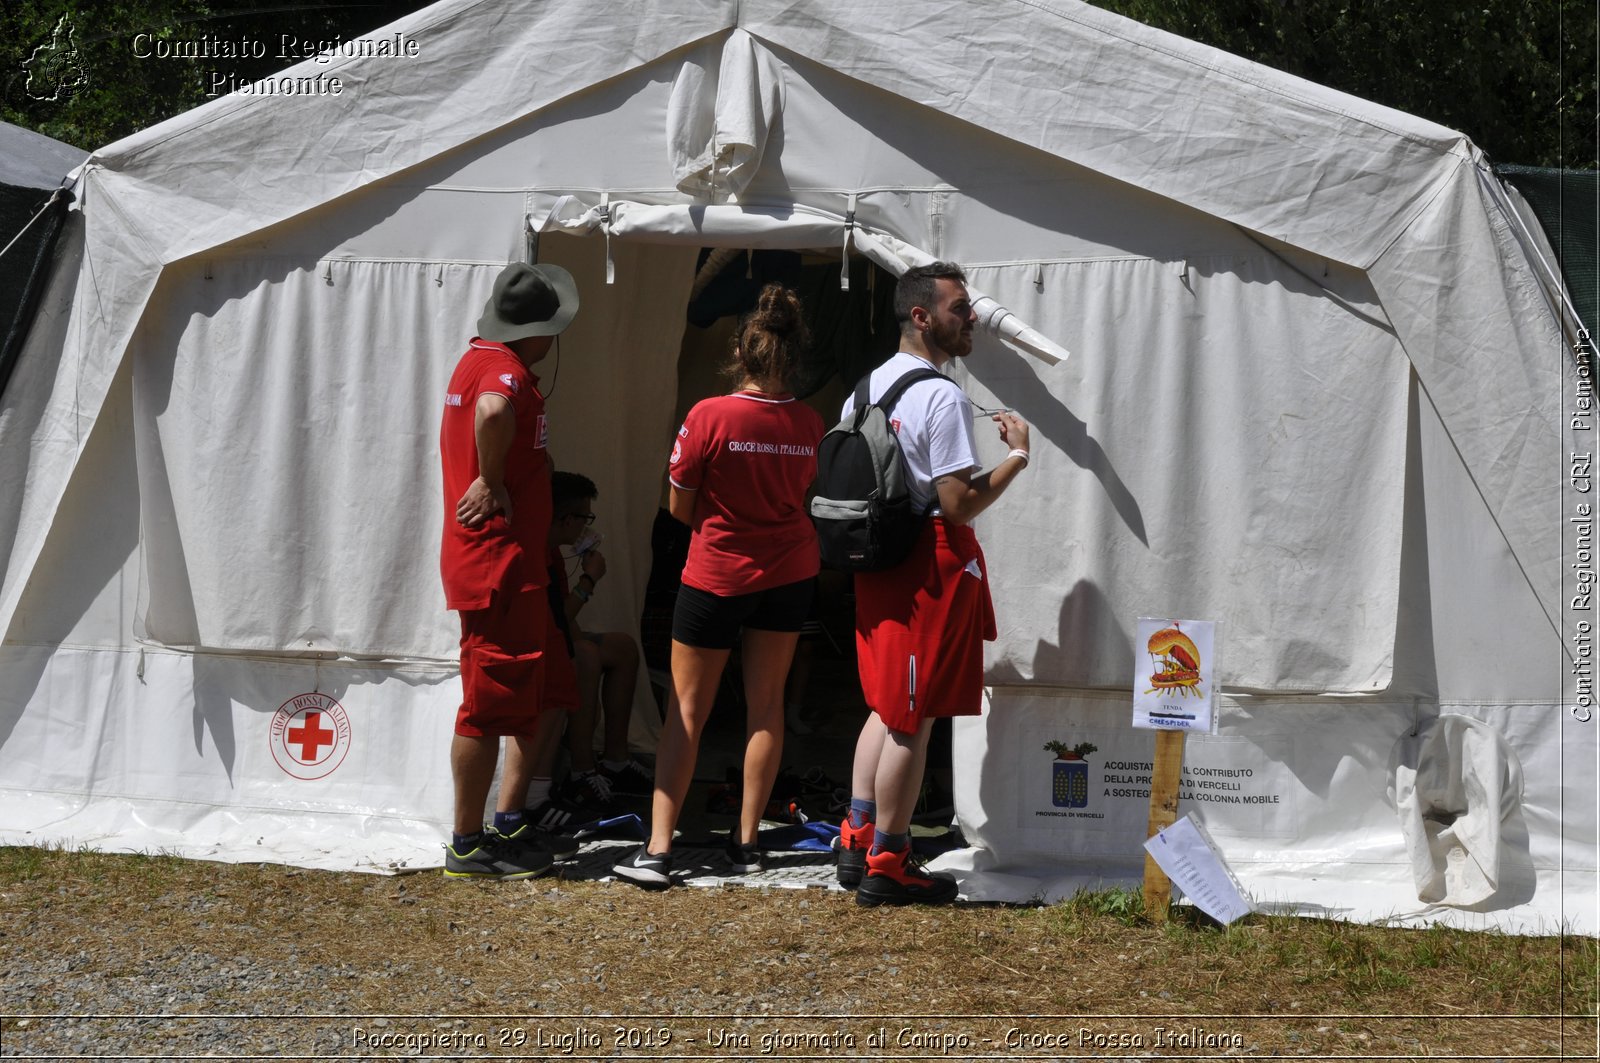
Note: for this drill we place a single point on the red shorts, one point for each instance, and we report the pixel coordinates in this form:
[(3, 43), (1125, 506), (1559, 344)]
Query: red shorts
[(920, 630), (502, 665)]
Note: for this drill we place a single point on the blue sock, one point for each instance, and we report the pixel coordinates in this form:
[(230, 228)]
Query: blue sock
[(889, 843), (465, 843), (862, 812), (507, 821)]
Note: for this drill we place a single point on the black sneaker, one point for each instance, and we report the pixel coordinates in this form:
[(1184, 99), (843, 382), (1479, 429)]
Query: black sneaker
[(559, 846), (631, 780), (554, 816), (746, 859), (588, 794), (896, 878), (645, 868), (850, 853), (496, 856)]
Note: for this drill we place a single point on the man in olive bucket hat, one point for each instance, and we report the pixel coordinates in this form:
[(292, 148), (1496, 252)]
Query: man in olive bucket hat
[(497, 515)]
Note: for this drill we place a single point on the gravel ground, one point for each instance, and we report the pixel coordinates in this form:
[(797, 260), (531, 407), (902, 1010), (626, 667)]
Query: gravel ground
[(157, 958)]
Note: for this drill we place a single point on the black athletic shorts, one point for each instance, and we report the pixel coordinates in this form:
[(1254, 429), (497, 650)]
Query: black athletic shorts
[(711, 622)]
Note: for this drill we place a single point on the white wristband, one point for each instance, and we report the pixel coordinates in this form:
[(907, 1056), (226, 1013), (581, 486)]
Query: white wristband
[(1019, 453)]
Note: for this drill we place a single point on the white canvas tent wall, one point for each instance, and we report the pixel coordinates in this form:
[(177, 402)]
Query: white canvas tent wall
[(1317, 393)]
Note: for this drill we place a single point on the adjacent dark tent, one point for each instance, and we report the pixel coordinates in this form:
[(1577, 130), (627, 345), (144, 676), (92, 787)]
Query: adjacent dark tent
[(33, 209), (1567, 204)]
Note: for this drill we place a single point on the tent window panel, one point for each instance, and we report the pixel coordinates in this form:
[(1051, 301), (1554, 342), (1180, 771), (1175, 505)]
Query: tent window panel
[(287, 425), (1226, 443)]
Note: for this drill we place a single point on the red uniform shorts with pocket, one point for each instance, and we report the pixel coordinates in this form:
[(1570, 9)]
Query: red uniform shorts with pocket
[(502, 665), (920, 629)]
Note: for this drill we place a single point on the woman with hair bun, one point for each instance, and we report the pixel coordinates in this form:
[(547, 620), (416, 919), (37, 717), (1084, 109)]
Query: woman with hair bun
[(739, 472)]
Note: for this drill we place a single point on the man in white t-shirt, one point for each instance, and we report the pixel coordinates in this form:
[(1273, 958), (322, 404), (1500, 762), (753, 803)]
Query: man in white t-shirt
[(920, 626)]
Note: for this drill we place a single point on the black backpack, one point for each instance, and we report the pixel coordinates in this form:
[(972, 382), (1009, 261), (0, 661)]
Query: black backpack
[(862, 507)]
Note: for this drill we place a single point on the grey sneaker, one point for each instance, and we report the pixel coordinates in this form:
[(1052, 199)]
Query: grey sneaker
[(645, 868), (496, 856), (746, 859)]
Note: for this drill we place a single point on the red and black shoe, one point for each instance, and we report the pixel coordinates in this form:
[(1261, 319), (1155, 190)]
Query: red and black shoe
[(850, 853), (897, 878)]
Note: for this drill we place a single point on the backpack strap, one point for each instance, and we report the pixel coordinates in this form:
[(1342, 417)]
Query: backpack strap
[(863, 395), (892, 396)]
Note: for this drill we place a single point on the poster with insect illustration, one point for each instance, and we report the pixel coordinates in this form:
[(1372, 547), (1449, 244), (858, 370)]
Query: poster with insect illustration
[(1174, 674)]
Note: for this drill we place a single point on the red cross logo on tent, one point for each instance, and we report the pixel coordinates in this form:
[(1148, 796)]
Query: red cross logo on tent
[(310, 736)]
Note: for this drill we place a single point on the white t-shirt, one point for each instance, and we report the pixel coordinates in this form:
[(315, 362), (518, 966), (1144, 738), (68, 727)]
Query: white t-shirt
[(932, 420)]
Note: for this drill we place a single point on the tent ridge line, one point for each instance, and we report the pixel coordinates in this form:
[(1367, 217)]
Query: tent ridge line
[(446, 666), (681, 200), (1240, 75), (1006, 263), (355, 260), (427, 665), (1366, 699), (1191, 257)]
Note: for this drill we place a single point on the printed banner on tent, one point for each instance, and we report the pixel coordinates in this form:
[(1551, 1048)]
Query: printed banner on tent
[(1100, 780), (1174, 682)]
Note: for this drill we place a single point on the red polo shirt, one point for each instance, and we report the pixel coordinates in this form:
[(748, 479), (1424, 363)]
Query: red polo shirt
[(494, 556), (751, 458)]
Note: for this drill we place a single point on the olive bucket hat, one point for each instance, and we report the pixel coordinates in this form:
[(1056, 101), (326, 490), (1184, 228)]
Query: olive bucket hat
[(529, 301)]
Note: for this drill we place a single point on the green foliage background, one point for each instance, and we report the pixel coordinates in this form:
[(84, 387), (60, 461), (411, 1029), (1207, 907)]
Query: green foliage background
[(1517, 76)]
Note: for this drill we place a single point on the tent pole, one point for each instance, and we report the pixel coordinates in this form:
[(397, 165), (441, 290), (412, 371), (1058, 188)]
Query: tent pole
[(1164, 780)]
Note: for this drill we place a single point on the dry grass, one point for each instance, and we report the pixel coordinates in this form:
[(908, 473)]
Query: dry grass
[(753, 962)]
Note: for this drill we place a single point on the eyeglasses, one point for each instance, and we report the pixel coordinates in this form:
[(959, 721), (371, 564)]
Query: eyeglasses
[(987, 412), (587, 518)]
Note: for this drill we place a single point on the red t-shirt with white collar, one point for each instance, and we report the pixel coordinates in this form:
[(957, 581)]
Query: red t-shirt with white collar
[(494, 556), (750, 458)]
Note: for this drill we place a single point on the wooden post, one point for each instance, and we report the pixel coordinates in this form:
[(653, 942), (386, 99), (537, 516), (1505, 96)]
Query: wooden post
[(1164, 780)]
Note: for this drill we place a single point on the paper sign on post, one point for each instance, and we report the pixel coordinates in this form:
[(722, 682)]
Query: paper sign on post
[(1187, 856), (1174, 679)]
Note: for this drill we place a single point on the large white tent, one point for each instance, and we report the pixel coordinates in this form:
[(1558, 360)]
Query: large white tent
[(1320, 391)]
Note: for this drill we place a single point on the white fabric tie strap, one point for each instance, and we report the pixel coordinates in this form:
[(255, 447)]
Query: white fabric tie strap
[(844, 256), (604, 214)]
